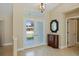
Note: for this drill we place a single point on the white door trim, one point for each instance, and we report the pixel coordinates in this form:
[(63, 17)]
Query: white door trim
[(66, 32), (76, 31), (66, 27)]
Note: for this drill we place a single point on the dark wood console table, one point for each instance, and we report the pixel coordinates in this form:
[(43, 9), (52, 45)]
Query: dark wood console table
[(53, 40)]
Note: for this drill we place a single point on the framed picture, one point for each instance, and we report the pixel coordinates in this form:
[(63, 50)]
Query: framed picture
[(54, 26)]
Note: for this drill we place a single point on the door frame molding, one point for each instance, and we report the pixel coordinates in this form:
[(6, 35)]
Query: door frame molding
[(67, 29), (3, 33)]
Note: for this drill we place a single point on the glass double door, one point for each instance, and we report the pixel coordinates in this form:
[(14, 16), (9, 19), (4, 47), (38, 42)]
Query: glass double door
[(34, 33)]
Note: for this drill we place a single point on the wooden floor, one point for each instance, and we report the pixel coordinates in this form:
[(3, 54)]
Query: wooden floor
[(41, 51), (6, 51)]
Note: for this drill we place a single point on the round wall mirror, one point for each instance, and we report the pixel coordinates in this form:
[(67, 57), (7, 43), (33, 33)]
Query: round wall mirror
[(54, 26)]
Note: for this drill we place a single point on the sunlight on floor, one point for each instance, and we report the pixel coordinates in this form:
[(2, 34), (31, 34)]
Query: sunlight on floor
[(31, 53)]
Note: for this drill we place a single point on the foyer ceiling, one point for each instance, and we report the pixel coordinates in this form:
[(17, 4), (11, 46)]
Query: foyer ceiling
[(36, 6), (6, 8)]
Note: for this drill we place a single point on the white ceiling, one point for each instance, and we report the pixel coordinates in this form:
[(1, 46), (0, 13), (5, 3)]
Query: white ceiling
[(36, 6), (6, 8), (51, 6)]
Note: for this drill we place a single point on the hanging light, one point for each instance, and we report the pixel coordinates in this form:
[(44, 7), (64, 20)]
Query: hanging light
[(42, 7)]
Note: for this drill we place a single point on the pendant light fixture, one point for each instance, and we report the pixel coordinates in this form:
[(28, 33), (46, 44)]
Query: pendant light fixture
[(42, 7)]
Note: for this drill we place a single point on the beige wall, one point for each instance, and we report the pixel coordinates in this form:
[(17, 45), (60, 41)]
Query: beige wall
[(6, 17), (59, 14), (8, 30)]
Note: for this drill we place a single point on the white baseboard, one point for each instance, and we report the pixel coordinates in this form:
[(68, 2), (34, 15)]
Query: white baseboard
[(20, 49), (6, 44), (62, 47)]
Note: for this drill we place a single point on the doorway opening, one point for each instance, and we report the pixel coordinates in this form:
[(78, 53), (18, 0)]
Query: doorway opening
[(72, 32), (33, 33)]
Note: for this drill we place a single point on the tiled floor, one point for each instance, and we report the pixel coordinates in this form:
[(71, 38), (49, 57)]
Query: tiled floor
[(41, 51), (48, 51)]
